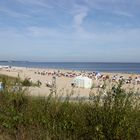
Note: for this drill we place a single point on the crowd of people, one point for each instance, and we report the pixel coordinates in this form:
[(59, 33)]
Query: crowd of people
[(92, 75)]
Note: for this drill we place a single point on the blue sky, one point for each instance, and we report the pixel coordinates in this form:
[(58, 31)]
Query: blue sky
[(70, 30)]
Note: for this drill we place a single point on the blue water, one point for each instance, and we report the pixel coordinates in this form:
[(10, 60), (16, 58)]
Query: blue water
[(87, 66)]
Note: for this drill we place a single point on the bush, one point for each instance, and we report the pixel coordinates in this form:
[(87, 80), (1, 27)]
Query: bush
[(26, 82), (117, 116)]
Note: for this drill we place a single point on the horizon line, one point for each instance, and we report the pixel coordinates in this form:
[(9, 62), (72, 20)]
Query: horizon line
[(28, 61)]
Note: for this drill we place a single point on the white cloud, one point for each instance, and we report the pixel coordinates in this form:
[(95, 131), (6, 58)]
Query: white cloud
[(78, 18), (123, 13), (12, 13), (40, 3), (114, 37), (79, 14), (120, 42), (117, 7), (54, 25), (43, 32)]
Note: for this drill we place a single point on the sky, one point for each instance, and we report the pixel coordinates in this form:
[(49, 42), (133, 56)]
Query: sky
[(70, 30)]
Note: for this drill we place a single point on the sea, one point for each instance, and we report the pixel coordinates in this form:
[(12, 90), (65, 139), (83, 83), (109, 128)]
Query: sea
[(82, 66)]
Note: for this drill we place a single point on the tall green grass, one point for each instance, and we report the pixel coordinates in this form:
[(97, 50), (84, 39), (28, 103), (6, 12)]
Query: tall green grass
[(114, 117)]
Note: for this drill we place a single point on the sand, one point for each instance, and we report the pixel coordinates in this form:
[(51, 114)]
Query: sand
[(63, 84)]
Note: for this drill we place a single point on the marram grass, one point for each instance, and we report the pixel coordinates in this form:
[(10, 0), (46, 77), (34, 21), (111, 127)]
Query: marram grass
[(115, 117)]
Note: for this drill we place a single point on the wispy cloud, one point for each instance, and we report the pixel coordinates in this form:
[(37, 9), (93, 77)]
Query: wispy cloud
[(70, 26), (122, 13), (40, 3), (79, 15), (116, 7), (13, 13)]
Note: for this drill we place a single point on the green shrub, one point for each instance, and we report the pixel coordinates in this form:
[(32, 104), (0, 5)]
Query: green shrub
[(114, 117), (26, 82)]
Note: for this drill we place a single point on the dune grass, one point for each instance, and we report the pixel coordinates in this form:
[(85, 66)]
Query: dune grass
[(114, 117)]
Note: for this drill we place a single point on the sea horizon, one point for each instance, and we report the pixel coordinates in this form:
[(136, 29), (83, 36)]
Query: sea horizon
[(120, 67), (1, 61)]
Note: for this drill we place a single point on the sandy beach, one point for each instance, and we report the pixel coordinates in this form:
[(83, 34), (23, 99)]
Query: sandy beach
[(64, 79)]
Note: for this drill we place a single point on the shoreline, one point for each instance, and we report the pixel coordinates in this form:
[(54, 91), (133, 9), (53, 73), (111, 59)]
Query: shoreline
[(102, 67), (64, 69)]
